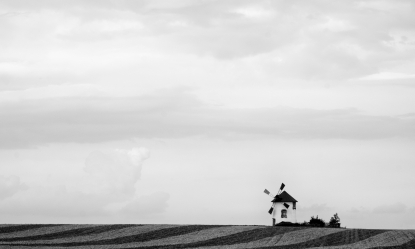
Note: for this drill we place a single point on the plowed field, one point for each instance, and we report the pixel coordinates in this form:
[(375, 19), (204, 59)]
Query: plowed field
[(198, 236)]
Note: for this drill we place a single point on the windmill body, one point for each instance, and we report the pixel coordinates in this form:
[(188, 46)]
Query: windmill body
[(284, 207)]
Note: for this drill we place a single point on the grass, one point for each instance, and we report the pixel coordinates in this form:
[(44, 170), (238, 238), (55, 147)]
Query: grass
[(19, 228), (63, 234), (199, 236)]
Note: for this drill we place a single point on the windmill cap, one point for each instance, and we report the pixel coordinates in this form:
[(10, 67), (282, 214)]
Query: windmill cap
[(284, 197)]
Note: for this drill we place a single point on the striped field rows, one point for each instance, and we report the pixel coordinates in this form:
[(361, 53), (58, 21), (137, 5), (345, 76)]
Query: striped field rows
[(199, 236)]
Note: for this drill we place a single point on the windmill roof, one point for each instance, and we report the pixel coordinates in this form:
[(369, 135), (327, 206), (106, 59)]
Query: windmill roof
[(284, 197)]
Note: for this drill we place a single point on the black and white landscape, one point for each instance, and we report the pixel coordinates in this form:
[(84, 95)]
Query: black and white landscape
[(184, 111)]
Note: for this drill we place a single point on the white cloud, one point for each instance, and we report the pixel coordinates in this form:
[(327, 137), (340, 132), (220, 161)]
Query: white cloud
[(109, 181), (255, 12), (147, 204), (335, 25), (395, 208), (10, 185), (388, 76), (176, 114), (115, 172), (308, 38), (57, 201)]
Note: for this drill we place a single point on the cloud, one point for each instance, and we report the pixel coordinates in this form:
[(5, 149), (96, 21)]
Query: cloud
[(115, 172), (177, 114), (106, 188), (314, 40), (390, 216), (358, 210), (147, 204), (55, 201), (10, 185), (394, 208), (388, 76), (317, 208)]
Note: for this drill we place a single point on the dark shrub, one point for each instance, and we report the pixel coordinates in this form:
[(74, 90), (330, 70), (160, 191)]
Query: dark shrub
[(334, 221), (286, 224), (290, 224), (305, 224), (316, 222)]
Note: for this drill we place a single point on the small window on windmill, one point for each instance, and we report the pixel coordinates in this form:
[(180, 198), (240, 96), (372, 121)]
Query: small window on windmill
[(284, 213)]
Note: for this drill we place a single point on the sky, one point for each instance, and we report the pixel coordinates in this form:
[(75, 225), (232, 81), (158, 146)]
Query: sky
[(183, 112)]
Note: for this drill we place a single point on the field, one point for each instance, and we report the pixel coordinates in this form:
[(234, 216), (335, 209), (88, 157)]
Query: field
[(198, 236)]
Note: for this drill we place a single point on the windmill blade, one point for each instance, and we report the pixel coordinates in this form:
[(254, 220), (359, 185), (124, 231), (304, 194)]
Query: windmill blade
[(281, 188), (271, 209), (286, 205), (268, 193)]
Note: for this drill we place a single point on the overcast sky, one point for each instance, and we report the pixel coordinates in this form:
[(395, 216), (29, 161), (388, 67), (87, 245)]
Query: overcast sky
[(184, 111)]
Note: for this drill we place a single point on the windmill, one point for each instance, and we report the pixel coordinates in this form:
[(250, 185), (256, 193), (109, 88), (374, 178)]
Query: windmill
[(283, 207)]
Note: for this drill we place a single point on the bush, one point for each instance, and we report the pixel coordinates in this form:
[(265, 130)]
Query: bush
[(334, 221), (290, 224), (316, 222), (287, 224), (305, 224)]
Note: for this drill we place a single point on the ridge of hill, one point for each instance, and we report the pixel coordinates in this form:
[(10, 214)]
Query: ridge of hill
[(198, 236)]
